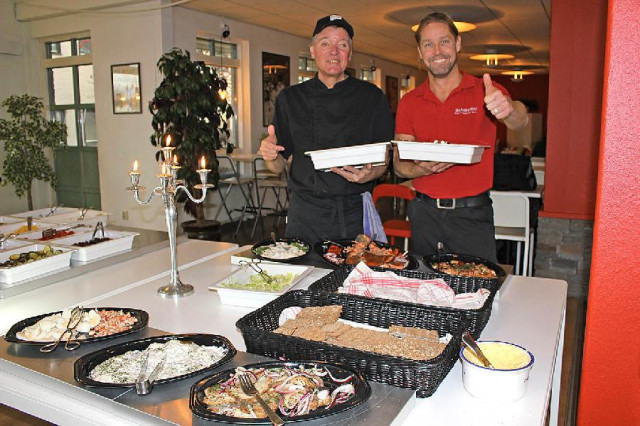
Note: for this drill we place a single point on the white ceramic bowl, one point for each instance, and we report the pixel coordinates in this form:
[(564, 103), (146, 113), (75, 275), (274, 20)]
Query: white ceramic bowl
[(495, 384)]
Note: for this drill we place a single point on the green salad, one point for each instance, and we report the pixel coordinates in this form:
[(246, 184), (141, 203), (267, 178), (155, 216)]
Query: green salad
[(258, 283)]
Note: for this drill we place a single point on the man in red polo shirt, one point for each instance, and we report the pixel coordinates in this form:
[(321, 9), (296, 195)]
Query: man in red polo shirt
[(452, 204)]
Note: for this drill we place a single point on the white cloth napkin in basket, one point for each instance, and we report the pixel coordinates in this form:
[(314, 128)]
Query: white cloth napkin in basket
[(363, 281)]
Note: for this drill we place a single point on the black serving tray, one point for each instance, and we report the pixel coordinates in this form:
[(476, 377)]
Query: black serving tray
[(322, 247), (282, 240), (84, 365), (362, 388), (141, 316), (447, 257)]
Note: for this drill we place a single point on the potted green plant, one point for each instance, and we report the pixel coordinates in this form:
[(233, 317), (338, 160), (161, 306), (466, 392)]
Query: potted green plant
[(188, 107), (26, 135)]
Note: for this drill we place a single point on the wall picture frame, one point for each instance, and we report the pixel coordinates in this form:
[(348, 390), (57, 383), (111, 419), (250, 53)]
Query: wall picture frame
[(276, 76), (125, 88), (391, 89)]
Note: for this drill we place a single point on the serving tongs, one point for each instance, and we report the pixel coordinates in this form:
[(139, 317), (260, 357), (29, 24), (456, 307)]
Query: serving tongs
[(144, 382), (4, 238), (256, 267), (70, 344), (52, 210), (84, 212), (99, 226)]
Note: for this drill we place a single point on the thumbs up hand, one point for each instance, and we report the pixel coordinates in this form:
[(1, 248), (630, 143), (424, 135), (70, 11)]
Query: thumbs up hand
[(269, 147), (496, 102)]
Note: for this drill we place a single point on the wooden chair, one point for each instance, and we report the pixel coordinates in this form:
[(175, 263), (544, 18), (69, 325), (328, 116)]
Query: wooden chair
[(395, 227)]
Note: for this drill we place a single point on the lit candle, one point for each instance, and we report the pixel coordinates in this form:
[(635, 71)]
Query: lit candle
[(203, 163), (164, 169), (175, 160), (168, 140), (135, 166)]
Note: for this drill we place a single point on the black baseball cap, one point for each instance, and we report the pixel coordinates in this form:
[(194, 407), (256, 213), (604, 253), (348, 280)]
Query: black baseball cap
[(333, 21)]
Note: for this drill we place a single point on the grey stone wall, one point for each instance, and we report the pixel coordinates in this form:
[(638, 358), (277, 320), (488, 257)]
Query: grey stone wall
[(563, 251)]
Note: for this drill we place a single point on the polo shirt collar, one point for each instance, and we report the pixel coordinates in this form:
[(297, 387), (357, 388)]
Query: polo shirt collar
[(467, 82)]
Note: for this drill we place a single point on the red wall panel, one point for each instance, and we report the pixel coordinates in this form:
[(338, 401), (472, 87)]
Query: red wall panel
[(575, 91), (610, 383)]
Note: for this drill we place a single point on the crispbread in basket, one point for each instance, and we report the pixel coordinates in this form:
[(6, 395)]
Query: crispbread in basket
[(477, 318), (422, 376)]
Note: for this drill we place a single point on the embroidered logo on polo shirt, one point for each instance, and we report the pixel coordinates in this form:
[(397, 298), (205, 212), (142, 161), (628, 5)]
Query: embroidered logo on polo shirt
[(466, 111)]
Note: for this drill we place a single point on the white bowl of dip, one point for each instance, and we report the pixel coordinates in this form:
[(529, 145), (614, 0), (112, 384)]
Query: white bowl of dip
[(507, 382)]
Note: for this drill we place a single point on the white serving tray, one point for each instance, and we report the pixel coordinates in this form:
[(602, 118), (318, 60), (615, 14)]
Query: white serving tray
[(34, 237), (358, 155), (121, 241), (11, 244), (256, 299), (5, 220), (91, 217), (12, 227), (36, 268), (442, 152), (45, 212)]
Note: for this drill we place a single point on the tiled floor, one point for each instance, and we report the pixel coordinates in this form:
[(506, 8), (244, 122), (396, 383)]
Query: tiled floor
[(571, 364)]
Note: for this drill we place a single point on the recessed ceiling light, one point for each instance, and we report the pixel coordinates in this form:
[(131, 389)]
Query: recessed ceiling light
[(491, 59), (517, 74)]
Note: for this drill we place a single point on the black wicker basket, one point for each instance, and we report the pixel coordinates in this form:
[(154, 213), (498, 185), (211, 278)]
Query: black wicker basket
[(422, 376), (477, 318)]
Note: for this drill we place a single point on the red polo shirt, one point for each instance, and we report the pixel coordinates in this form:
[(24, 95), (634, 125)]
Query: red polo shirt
[(463, 119)]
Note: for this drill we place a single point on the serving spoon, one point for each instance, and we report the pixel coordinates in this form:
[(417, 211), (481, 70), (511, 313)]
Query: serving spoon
[(473, 346)]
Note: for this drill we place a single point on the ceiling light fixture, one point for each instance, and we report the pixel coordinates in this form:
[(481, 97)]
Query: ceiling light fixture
[(491, 59), (462, 26), (517, 75)]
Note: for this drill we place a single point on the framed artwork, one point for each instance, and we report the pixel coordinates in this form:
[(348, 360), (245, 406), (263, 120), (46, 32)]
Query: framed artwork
[(391, 89), (125, 86), (275, 77)]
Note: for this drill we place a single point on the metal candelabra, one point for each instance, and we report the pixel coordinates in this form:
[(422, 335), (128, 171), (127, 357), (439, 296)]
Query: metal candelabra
[(168, 189)]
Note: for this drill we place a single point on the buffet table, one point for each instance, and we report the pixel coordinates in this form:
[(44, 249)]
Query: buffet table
[(529, 312)]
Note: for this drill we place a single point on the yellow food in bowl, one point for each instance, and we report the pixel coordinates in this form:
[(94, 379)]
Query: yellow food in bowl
[(503, 356)]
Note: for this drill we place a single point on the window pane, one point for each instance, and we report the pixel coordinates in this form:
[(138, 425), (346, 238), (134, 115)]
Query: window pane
[(87, 119), (67, 117), (85, 81), (83, 46), (203, 46), (59, 49), (229, 74), (62, 85), (311, 65)]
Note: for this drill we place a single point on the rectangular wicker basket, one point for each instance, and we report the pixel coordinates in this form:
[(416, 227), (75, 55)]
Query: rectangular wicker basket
[(422, 376), (477, 318)]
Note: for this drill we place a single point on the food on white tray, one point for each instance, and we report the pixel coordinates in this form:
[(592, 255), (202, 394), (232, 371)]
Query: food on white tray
[(291, 391), (182, 357), (368, 251), (94, 323), (282, 250), (91, 242), (259, 282), (18, 259)]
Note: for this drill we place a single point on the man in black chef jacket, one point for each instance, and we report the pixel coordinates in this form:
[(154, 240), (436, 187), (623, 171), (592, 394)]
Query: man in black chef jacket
[(332, 110)]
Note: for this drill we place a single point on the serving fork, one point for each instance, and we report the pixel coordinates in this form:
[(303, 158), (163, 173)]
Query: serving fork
[(249, 389), (74, 320)]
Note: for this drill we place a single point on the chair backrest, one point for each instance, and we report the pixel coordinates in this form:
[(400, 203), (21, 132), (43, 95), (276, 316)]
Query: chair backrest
[(510, 209), (261, 172), (226, 167), (392, 190)]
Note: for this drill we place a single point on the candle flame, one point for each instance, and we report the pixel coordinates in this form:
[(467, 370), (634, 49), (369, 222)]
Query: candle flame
[(135, 165), (203, 162), (168, 140)]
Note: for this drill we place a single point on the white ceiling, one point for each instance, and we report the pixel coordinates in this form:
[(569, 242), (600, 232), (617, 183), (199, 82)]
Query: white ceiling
[(382, 27)]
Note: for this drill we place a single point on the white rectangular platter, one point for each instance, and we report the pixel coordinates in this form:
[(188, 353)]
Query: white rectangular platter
[(39, 267), (11, 244), (46, 212), (91, 217), (120, 241), (13, 228), (358, 155), (442, 152), (35, 236), (4, 220), (256, 299)]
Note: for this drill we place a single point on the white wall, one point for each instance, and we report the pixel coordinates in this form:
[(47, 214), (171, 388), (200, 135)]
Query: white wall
[(16, 52), (143, 37)]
